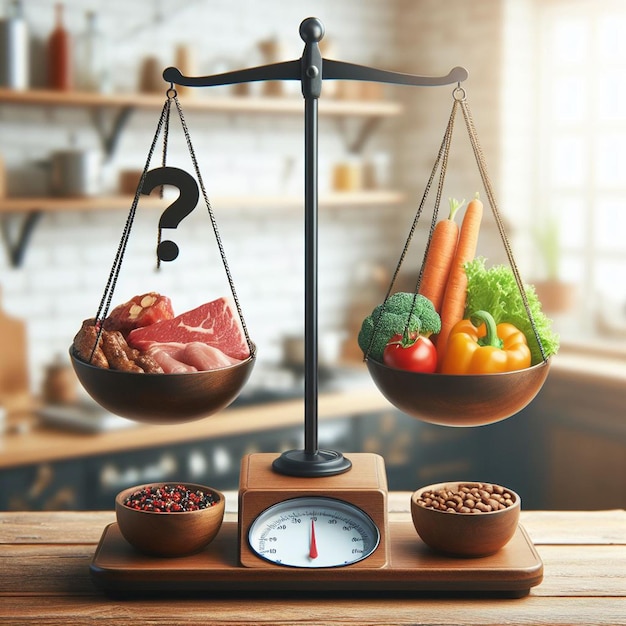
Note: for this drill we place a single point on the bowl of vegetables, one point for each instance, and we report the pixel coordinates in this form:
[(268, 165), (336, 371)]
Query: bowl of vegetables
[(458, 384), (458, 400)]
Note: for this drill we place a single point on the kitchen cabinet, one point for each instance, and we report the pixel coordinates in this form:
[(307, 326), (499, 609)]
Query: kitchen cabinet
[(414, 453), (45, 487), (91, 482), (583, 434), (121, 106)]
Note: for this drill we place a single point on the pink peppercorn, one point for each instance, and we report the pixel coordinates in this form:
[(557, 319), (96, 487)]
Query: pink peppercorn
[(169, 498)]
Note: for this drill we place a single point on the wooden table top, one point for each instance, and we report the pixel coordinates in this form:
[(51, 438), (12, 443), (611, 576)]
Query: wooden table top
[(45, 557)]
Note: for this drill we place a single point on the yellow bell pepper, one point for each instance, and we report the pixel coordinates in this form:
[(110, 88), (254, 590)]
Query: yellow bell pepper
[(485, 348)]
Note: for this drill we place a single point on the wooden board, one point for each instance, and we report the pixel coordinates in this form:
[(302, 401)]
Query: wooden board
[(13, 359), (413, 569)]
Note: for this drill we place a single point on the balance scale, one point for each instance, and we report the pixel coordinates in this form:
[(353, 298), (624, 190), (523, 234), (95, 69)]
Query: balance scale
[(314, 520)]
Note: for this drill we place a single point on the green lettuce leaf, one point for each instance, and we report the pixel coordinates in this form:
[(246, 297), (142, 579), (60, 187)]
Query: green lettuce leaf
[(494, 290)]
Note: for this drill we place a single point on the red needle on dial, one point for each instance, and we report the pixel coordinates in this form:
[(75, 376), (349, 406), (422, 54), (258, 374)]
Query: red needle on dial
[(313, 546)]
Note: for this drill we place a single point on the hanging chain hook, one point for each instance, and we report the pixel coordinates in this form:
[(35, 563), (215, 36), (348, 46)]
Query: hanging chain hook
[(458, 93), (171, 93)]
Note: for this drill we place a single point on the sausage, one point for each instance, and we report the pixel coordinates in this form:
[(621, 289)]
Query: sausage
[(147, 363), (114, 347), (84, 343)]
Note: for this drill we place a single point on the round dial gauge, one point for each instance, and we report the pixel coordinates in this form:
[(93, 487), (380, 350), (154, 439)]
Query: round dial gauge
[(313, 531)]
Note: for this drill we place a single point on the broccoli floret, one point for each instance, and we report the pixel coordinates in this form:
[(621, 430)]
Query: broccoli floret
[(395, 312)]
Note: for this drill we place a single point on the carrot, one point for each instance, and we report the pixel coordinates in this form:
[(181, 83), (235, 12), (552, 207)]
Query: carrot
[(453, 306), (439, 258)]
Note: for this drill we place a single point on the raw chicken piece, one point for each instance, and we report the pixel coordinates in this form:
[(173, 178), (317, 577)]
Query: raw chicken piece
[(169, 363), (205, 357)]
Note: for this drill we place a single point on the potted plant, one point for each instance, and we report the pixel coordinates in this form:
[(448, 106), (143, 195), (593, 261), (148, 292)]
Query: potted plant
[(555, 294)]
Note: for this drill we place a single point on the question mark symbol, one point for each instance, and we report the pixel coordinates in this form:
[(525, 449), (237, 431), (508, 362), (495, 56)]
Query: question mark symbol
[(179, 209)]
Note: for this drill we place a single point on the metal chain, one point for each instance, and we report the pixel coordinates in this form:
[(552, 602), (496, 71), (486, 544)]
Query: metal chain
[(105, 302), (218, 238), (171, 92), (447, 140), (442, 158), (460, 99), (482, 167)]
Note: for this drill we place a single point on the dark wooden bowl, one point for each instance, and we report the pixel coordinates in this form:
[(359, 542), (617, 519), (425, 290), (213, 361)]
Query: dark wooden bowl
[(459, 400), (163, 398), (464, 534), (169, 534)]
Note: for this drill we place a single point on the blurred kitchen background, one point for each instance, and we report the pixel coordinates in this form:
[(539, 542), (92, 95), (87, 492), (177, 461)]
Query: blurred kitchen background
[(80, 95)]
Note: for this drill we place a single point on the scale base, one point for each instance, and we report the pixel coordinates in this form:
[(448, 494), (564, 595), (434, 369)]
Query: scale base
[(413, 570), (365, 486)]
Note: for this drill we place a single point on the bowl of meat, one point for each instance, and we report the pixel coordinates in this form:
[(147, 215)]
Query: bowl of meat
[(146, 364)]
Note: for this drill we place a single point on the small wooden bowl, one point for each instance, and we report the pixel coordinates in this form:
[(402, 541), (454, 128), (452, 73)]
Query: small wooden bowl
[(169, 534), (163, 398), (459, 400), (464, 534)]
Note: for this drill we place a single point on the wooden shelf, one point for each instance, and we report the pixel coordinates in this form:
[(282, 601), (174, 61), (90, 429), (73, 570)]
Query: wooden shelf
[(122, 105), (30, 210), (338, 199), (210, 103)]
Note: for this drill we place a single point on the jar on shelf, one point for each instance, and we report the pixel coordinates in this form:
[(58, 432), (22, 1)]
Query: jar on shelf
[(60, 384), (92, 70), (348, 175)]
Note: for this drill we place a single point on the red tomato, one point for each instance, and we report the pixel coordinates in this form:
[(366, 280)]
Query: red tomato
[(419, 356)]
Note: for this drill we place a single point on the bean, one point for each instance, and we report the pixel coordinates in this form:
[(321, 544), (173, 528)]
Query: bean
[(469, 498)]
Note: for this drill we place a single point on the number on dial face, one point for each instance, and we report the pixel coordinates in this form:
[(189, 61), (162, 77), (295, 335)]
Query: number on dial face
[(313, 532)]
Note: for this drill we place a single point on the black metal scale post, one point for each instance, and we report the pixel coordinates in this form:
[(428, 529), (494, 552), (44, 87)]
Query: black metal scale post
[(311, 69)]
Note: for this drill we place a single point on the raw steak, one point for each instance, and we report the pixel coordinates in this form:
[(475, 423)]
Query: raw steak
[(139, 311), (215, 323)]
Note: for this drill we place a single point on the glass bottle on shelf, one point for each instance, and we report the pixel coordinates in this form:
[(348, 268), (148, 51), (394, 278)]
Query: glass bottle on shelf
[(14, 48), (60, 54), (92, 72)]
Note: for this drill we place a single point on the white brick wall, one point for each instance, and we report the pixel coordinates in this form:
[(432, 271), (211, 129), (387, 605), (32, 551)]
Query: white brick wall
[(68, 260)]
